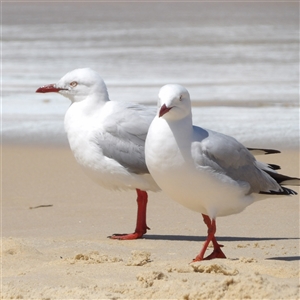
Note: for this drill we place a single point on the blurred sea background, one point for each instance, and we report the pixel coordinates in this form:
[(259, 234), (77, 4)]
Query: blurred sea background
[(239, 61)]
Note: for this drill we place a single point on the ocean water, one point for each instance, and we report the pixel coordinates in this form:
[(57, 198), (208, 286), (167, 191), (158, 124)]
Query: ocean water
[(239, 61)]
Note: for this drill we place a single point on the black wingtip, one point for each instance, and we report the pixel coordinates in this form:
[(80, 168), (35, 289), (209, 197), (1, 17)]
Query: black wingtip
[(285, 191), (263, 151), (283, 179), (274, 167)]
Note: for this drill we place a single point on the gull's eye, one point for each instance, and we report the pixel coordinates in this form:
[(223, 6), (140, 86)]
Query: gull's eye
[(180, 98), (73, 83)]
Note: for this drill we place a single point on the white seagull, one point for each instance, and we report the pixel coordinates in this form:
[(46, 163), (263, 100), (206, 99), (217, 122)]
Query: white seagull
[(204, 170), (107, 138)]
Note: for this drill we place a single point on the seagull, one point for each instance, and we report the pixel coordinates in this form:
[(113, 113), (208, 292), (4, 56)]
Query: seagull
[(107, 138), (206, 171)]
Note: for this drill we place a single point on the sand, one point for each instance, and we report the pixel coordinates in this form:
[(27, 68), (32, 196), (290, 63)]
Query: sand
[(56, 222)]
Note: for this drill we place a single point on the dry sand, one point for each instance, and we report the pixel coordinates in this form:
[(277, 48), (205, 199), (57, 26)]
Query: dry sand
[(61, 250)]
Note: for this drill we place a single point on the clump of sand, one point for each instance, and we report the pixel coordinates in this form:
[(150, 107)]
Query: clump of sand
[(139, 258), (93, 257)]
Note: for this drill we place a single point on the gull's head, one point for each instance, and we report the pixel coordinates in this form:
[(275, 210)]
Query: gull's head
[(78, 85), (174, 102)]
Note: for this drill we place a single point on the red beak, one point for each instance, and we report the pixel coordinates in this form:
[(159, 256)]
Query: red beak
[(163, 110), (51, 88)]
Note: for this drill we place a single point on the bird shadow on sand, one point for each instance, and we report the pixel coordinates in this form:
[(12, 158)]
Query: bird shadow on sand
[(285, 258), (219, 238)]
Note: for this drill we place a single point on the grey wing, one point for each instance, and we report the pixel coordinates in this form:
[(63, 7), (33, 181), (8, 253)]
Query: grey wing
[(124, 134), (226, 155)]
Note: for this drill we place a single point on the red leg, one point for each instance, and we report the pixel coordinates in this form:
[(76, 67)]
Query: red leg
[(141, 226), (207, 221), (217, 252)]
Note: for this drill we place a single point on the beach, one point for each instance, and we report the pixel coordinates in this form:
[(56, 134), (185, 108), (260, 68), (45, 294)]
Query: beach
[(56, 222), (240, 62)]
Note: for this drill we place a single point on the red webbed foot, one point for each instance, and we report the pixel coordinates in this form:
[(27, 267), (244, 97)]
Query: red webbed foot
[(126, 236), (141, 226), (217, 252)]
